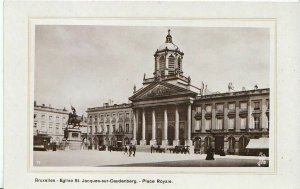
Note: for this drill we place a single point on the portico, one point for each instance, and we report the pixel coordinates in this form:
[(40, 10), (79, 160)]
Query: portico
[(163, 119)]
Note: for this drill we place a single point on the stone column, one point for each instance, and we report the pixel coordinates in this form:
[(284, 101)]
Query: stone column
[(133, 141), (153, 140), (176, 137), (188, 141), (143, 141), (264, 118), (165, 136)]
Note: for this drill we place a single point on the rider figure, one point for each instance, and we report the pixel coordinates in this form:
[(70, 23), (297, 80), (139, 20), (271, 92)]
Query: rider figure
[(73, 110)]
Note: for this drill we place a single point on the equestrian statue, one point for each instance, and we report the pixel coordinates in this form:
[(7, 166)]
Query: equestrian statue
[(74, 119)]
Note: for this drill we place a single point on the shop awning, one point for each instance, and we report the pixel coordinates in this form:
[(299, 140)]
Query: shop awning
[(261, 143)]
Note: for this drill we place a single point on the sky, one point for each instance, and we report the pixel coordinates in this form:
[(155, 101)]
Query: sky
[(85, 66)]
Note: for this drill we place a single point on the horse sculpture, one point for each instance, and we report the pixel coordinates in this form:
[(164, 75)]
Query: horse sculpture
[(74, 119)]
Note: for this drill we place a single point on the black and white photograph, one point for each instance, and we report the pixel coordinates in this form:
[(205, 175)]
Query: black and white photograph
[(151, 96)]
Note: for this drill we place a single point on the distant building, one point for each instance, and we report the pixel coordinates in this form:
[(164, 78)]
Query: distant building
[(168, 110), (109, 125), (50, 121)]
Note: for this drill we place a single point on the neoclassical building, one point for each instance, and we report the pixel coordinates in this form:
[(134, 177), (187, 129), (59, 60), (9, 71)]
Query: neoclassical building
[(168, 110), (50, 121), (109, 124)]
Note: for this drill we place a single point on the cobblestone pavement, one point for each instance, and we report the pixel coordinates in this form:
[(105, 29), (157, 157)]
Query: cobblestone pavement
[(91, 158)]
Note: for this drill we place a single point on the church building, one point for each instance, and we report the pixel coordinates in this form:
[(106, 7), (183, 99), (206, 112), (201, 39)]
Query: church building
[(168, 111)]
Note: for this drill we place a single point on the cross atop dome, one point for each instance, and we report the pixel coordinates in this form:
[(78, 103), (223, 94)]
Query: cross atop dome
[(169, 37)]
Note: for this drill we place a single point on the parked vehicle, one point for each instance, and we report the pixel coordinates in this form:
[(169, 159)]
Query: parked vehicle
[(41, 142)]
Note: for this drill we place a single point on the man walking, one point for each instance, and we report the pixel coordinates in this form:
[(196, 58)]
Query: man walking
[(134, 149)]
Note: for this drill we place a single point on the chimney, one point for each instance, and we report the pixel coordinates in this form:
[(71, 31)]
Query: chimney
[(49, 105), (34, 103), (43, 105)]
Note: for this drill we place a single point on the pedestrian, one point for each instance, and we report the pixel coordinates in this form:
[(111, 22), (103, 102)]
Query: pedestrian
[(151, 148), (110, 148), (210, 154), (125, 150), (130, 149), (134, 150), (222, 153)]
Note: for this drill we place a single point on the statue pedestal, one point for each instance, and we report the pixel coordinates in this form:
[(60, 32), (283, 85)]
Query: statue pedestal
[(73, 141)]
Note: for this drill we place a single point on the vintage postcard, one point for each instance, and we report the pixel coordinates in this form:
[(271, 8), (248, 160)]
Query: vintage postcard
[(156, 97)]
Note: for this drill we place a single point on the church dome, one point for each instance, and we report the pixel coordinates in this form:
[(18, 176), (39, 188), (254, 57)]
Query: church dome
[(170, 46)]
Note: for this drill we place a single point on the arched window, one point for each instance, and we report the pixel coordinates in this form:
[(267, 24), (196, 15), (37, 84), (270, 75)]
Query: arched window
[(243, 142), (197, 143), (171, 60), (179, 65), (162, 65), (231, 144), (207, 143)]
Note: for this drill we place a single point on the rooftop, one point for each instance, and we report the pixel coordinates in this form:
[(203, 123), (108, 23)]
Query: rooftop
[(109, 107)]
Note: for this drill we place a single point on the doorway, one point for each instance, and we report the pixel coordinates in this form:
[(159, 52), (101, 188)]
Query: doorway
[(219, 144)]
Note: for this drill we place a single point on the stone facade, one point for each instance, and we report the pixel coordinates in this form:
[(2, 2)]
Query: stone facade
[(109, 125), (50, 121), (168, 110)]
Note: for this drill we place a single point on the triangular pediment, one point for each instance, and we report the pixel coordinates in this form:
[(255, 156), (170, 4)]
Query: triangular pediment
[(160, 90)]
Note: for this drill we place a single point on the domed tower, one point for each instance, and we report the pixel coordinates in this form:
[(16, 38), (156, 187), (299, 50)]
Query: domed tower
[(168, 59)]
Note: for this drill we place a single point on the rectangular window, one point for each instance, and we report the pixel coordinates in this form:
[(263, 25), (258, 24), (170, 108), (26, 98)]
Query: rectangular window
[(114, 128), (107, 128), (208, 109), (268, 104), (243, 105), (256, 122), (43, 117), (50, 118), (127, 115), (231, 106), (120, 115), (57, 128), (231, 123), (120, 128), (220, 107), (207, 124), (198, 126), (256, 106), (219, 125), (198, 109), (57, 119), (127, 128), (243, 123), (91, 130), (96, 118), (50, 128)]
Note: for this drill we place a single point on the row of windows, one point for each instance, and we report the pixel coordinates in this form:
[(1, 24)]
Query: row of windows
[(101, 128), (50, 118), (108, 116), (50, 129), (255, 123), (171, 64), (232, 106)]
